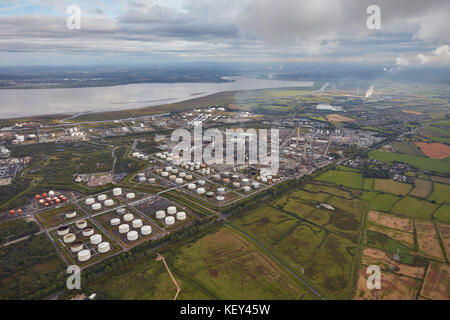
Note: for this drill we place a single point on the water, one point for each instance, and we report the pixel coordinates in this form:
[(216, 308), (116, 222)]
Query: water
[(31, 102)]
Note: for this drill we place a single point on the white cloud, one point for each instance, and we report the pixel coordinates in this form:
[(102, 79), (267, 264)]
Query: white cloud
[(423, 58), (401, 61), (442, 51)]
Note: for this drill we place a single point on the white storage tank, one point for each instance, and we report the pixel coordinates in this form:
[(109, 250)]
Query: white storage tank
[(165, 174), (90, 201), (76, 247), (179, 181), (128, 217), (169, 169), (51, 193), (146, 230), (245, 182), (124, 228), (132, 236), (96, 206), (182, 175), (255, 185), (71, 214), (137, 223), (172, 210), (131, 195), (160, 214), (102, 197), (121, 211), (172, 178), (152, 180), (117, 192), (170, 220), (62, 231), (95, 239), (81, 224), (247, 189), (115, 222), (201, 190), (88, 232), (220, 198), (84, 255), (181, 216), (201, 182), (189, 177), (221, 191), (69, 238), (192, 186), (104, 247), (236, 184), (109, 203), (142, 179), (264, 180)]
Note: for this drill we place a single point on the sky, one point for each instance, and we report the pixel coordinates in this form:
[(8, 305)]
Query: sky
[(412, 32)]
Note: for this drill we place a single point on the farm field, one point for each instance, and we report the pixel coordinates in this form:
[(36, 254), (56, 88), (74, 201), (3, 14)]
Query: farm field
[(348, 179), (436, 165), (407, 148), (436, 283), (390, 221), (422, 188), (383, 202), (391, 186), (428, 240), (434, 150), (414, 208), (441, 193), (404, 238), (232, 268), (443, 213), (444, 232)]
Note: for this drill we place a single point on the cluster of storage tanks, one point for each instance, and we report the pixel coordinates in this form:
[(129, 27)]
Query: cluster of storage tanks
[(200, 167), (171, 215), (96, 203), (268, 179), (123, 221), (142, 178), (174, 175), (50, 199), (236, 181), (78, 247), (139, 156)]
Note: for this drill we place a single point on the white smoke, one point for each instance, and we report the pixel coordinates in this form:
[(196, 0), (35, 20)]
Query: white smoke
[(369, 93)]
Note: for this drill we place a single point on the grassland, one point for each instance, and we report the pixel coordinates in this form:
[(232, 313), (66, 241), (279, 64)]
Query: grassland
[(407, 148), (441, 166), (17, 228), (393, 187), (56, 216), (352, 180), (414, 208), (441, 193), (422, 188), (383, 202), (443, 213)]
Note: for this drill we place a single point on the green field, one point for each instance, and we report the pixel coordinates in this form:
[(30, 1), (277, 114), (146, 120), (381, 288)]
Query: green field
[(348, 179), (56, 216), (441, 193), (407, 148), (422, 188), (414, 208), (436, 165), (327, 189), (391, 186), (368, 184), (383, 202), (443, 213)]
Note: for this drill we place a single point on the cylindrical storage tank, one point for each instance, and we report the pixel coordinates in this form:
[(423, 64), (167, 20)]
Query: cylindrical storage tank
[(88, 232), (192, 186), (76, 247), (221, 191), (255, 185), (152, 180), (245, 182), (104, 247), (69, 238), (95, 239), (159, 154), (131, 195), (137, 223), (170, 220), (165, 174), (159, 171), (109, 203), (90, 201), (175, 171), (128, 217), (96, 206), (264, 180), (225, 174), (236, 184), (81, 224), (210, 194), (247, 189), (169, 169), (115, 222), (63, 230), (51, 193), (226, 180), (71, 214), (179, 181), (201, 190), (142, 174), (142, 179), (84, 255), (172, 210), (102, 197), (220, 198), (189, 177), (117, 192), (172, 178), (160, 214), (146, 230), (132, 236), (121, 211), (124, 228), (181, 216), (182, 175), (201, 182)]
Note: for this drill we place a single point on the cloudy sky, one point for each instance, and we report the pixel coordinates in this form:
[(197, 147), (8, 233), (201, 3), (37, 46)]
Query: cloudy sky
[(413, 32)]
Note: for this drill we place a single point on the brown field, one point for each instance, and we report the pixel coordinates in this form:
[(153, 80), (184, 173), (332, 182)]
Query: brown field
[(422, 188), (444, 231), (440, 179), (412, 112), (338, 118), (437, 282), (391, 186), (405, 238), (375, 256), (434, 150), (393, 287), (390, 221), (428, 240)]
